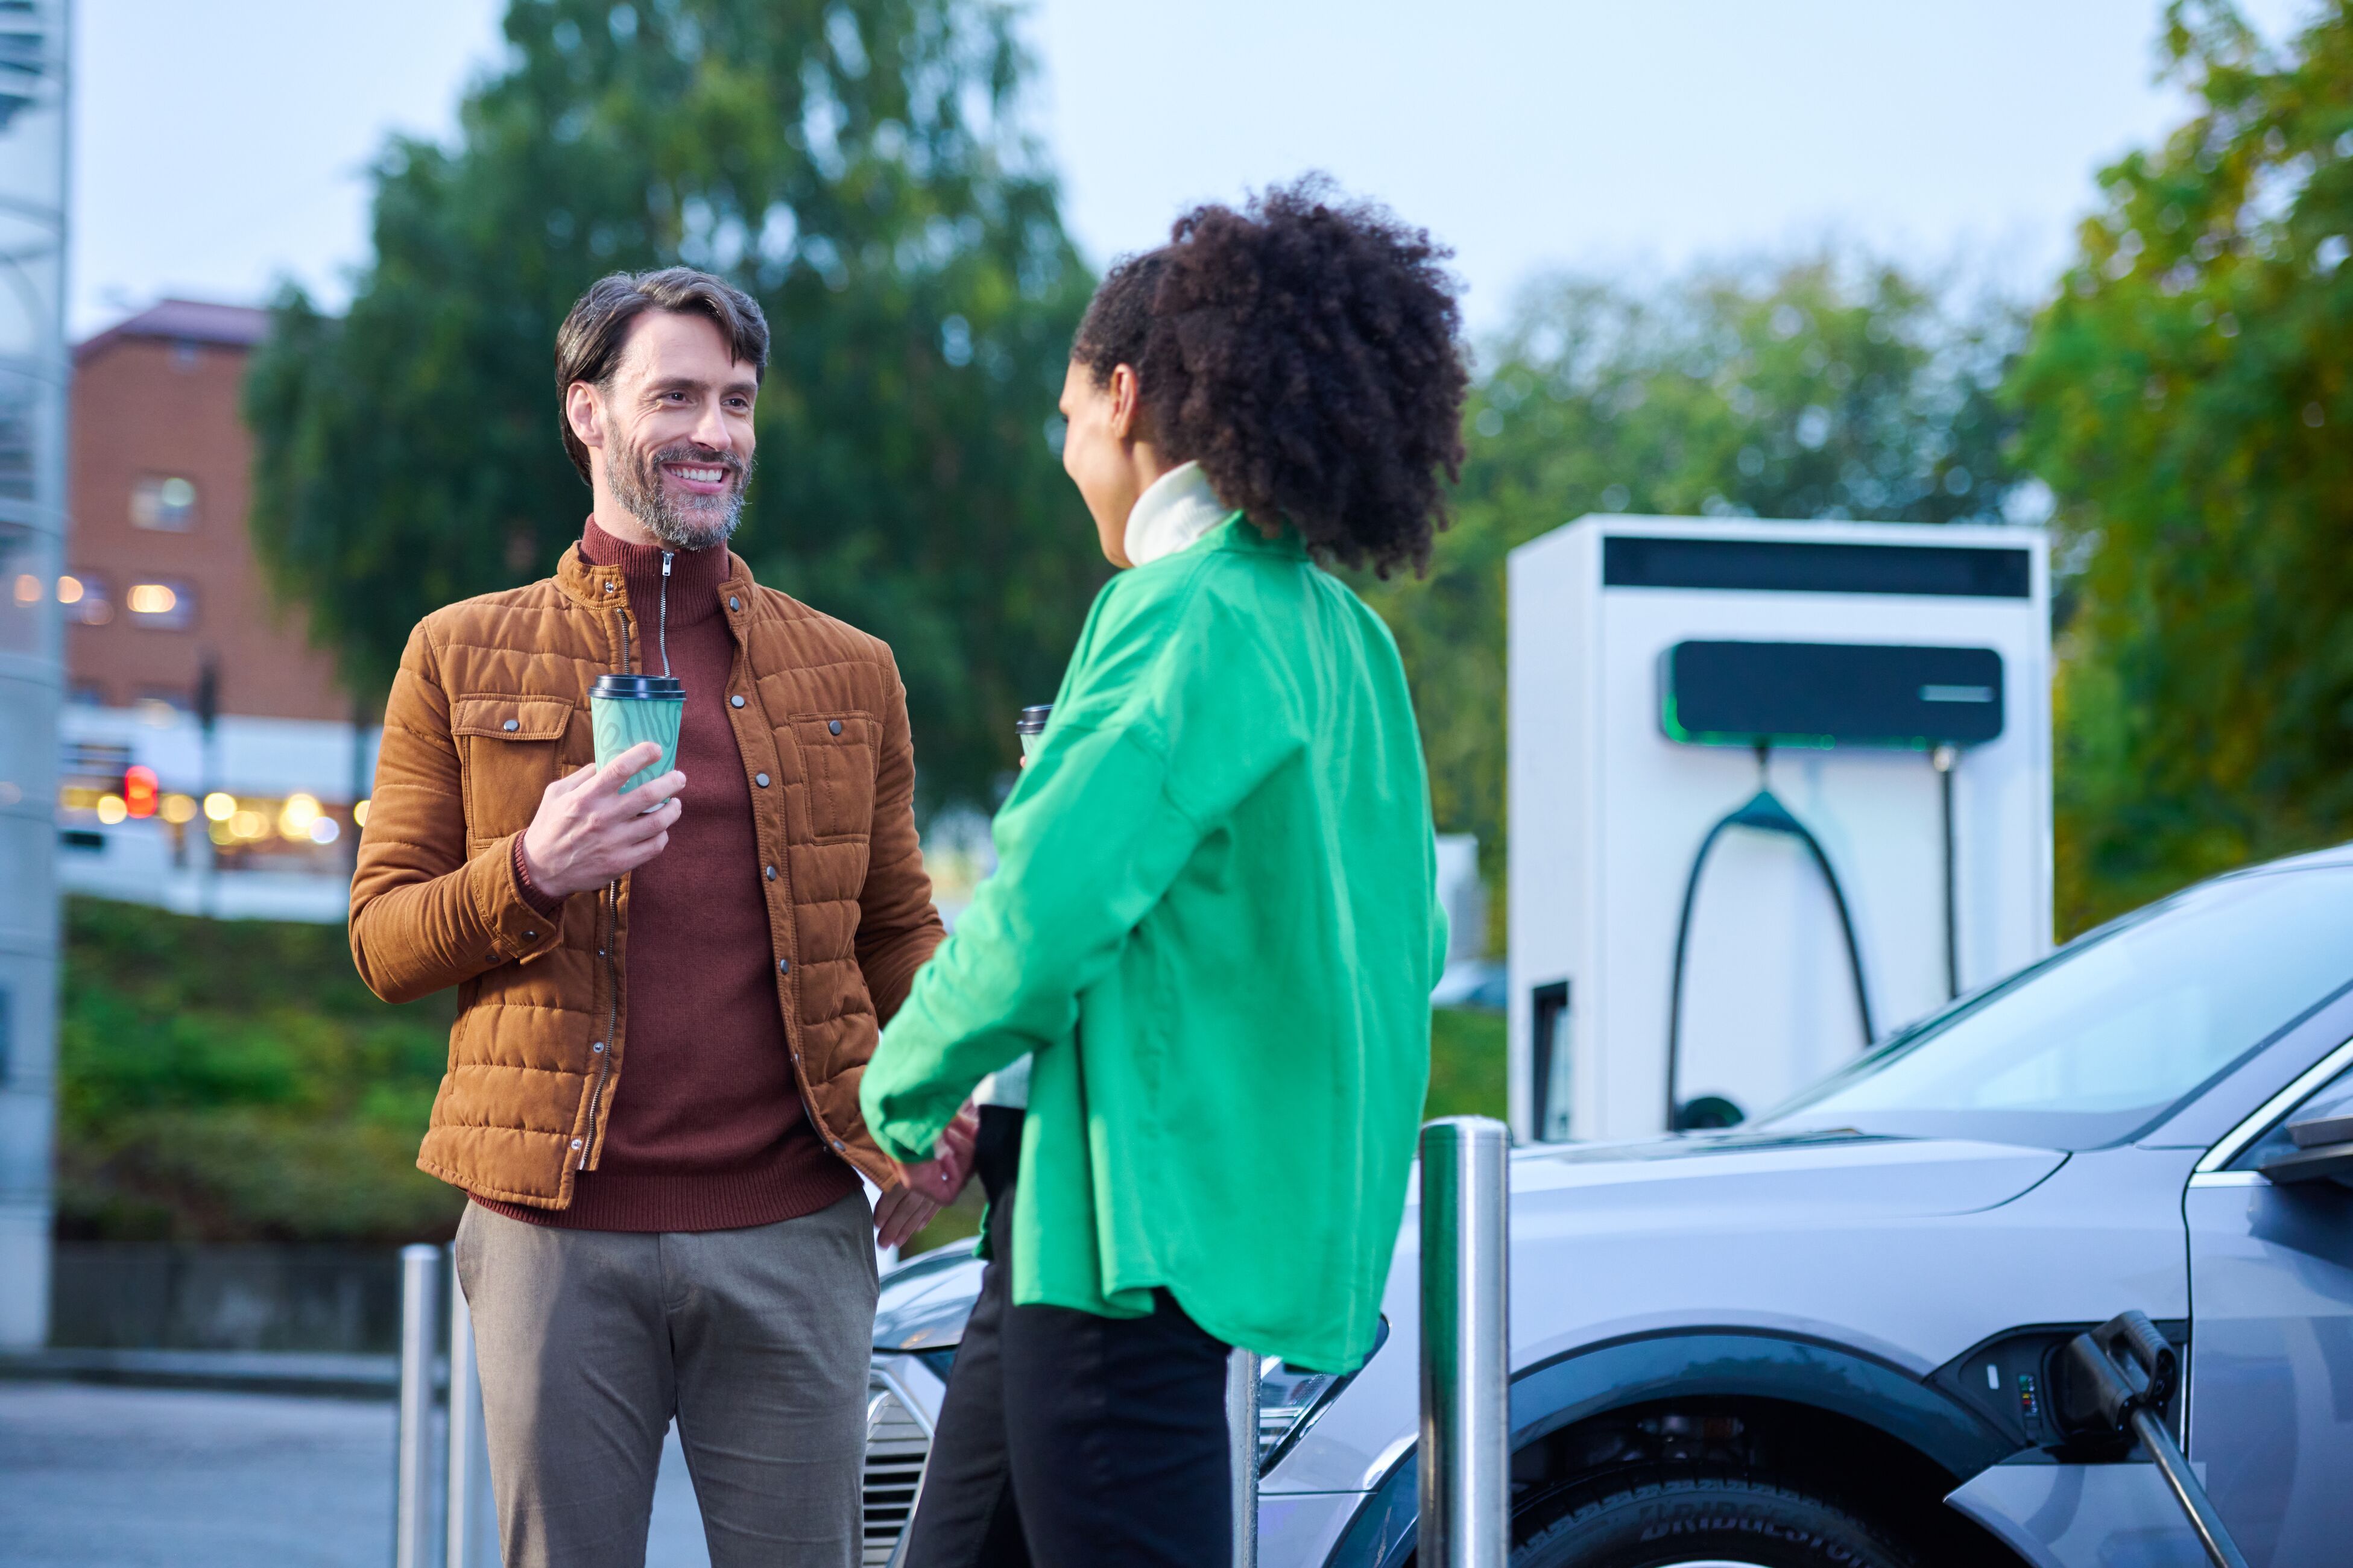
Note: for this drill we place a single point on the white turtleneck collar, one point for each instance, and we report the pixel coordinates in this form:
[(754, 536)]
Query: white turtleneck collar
[(1173, 513)]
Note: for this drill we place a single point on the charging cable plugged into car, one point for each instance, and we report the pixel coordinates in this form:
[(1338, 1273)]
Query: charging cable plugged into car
[(2117, 1381)]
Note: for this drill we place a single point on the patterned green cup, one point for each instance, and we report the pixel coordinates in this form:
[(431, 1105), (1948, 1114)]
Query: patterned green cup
[(624, 709)]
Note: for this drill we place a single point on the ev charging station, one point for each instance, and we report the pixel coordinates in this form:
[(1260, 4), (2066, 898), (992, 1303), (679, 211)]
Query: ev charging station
[(1776, 789)]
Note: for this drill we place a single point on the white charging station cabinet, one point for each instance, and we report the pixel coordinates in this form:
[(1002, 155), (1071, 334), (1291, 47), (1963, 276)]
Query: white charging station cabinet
[(1899, 676)]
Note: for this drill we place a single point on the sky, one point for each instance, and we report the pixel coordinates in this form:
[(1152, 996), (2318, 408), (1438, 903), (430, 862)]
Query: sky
[(224, 146)]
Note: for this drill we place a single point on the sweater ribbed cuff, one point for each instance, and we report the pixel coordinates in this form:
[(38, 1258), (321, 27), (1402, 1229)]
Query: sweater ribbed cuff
[(546, 903)]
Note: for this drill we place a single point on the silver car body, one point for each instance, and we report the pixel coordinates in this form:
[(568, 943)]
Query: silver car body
[(1881, 1280)]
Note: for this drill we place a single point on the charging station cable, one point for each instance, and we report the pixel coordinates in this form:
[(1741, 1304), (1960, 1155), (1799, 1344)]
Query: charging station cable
[(1763, 813), (1944, 758)]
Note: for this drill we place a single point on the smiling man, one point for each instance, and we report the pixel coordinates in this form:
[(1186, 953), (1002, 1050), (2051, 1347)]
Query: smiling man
[(667, 997)]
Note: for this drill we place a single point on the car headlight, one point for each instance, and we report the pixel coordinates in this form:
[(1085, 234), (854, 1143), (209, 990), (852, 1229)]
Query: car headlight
[(1290, 1398)]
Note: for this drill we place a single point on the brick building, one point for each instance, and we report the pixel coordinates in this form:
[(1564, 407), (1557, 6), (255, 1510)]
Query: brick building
[(162, 563), (254, 816)]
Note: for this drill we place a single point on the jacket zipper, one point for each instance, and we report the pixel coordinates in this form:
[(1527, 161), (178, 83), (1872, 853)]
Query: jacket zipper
[(612, 923)]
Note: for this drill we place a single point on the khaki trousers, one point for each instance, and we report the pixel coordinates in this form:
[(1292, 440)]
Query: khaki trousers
[(756, 1340)]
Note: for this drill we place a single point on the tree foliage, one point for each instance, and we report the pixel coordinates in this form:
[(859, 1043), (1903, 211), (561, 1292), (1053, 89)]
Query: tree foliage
[(2187, 397), (861, 168), (1806, 390)]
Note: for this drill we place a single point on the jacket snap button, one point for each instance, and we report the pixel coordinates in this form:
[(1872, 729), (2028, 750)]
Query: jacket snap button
[(612, 588), (598, 1046), (769, 872), (733, 603), (835, 727), (760, 779), (530, 936), (575, 1143), (511, 725), (734, 702), (783, 966)]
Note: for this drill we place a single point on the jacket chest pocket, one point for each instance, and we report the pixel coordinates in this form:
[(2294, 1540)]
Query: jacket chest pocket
[(836, 752), (510, 749)]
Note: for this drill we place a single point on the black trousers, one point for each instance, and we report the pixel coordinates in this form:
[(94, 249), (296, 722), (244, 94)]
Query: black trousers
[(1069, 1440)]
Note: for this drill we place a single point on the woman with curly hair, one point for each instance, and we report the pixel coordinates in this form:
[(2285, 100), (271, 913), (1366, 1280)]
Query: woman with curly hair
[(1213, 924)]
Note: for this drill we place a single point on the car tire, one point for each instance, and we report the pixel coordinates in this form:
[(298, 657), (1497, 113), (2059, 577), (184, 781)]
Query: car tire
[(1728, 1520)]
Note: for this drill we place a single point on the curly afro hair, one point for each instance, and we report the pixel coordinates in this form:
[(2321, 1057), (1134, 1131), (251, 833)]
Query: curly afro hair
[(1306, 352)]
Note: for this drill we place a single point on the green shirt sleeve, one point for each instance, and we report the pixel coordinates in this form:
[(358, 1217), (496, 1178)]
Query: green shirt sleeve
[(1130, 780)]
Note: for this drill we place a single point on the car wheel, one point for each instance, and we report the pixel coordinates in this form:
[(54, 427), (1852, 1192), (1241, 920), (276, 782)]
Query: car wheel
[(1717, 1521)]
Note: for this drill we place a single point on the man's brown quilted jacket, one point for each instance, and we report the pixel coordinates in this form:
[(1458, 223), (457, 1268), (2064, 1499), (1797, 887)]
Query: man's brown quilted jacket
[(490, 706)]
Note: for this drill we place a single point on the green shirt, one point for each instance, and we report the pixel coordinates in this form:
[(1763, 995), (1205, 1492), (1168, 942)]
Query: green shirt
[(1214, 921)]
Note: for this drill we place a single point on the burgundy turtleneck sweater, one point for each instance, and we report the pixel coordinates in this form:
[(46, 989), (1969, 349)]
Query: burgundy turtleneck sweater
[(706, 1131)]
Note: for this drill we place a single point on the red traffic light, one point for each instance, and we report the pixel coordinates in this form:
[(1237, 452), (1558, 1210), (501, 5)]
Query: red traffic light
[(140, 791)]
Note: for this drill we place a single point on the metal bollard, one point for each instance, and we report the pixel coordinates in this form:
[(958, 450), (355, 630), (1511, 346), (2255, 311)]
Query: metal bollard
[(1241, 1426), (466, 1453), (1465, 1344), (412, 1539)]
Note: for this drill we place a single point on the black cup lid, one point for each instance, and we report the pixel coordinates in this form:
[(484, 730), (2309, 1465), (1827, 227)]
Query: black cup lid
[(1033, 719), (641, 686)]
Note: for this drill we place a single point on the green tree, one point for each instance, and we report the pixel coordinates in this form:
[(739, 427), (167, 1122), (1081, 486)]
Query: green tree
[(2187, 397), (859, 167), (1806, 390)]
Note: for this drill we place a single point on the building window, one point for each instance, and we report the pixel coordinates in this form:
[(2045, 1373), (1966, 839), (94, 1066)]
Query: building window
[(161, 705), (162, 603), (85, 598), (164, 502)]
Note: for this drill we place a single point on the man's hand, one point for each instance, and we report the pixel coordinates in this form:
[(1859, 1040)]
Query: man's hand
[(586, 832), (899, 1214)]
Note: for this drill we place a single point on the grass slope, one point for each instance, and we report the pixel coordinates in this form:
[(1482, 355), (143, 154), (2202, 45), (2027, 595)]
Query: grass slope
[(232, 1080)]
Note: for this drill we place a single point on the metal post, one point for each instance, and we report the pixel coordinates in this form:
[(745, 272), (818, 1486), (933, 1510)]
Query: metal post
[(1242, 1425), (465, 1428), (1465, 1344), (412, 1539)]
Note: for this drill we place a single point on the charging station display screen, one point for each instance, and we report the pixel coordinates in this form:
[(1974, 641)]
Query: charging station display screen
[(1830, 694)]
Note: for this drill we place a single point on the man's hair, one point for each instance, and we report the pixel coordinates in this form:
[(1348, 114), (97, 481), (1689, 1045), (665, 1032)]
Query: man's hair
[(588, 344), (1307, 351)]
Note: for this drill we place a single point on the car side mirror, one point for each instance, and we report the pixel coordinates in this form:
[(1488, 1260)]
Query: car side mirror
[(2322, 1151)]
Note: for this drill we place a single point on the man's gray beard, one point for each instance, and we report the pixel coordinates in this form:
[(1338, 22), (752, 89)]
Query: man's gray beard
[(638, 485)]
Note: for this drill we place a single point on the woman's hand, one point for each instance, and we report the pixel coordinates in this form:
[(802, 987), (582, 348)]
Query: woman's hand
[(942, 1176)]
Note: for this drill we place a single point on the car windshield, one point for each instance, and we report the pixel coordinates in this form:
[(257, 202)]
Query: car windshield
[(2110, 1032)]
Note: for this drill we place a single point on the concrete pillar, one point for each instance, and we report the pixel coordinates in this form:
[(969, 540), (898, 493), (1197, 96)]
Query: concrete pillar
[(34, 367)]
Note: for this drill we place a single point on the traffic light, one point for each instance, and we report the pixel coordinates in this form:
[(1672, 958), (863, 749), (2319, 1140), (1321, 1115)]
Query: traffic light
[(138, 790)]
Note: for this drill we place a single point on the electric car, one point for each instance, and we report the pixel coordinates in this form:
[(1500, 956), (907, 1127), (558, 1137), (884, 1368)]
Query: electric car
[(1836, 1335)]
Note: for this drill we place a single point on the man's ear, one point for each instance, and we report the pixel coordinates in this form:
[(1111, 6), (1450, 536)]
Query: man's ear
[(585, 412)]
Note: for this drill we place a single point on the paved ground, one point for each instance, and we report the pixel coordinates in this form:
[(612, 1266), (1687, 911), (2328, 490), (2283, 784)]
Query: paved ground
[(130, 1478)]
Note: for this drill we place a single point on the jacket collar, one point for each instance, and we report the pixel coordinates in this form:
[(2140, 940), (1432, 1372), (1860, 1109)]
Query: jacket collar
[(694, 581), (598, 587)]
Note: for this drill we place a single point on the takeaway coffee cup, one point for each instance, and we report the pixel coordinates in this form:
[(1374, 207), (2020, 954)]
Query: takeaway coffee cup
[(1031, 728), (624, 709)]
